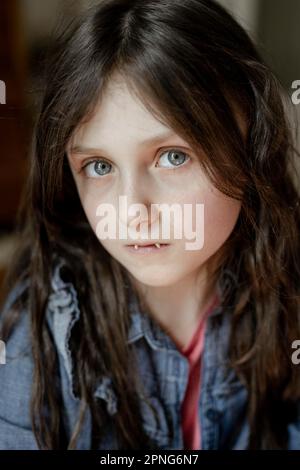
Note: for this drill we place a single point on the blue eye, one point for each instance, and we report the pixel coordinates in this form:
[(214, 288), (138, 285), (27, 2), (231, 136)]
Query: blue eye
[(97, 168), (174, 158)]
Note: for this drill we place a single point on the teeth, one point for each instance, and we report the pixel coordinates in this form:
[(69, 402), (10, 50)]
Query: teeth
[(157, 245)]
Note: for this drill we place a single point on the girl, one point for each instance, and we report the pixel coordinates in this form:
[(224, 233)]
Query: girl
[(110, 346)]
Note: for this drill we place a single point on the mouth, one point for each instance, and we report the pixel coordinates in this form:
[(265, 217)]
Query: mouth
[(139, 244), (147, 247)]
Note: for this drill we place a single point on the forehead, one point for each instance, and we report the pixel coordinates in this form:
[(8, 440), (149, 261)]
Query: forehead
[(119, 114)]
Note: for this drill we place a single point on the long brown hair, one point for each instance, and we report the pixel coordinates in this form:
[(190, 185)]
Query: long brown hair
[(192, 65)]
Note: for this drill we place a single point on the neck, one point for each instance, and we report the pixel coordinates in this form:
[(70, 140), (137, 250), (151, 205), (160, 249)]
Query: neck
[(178, 308)]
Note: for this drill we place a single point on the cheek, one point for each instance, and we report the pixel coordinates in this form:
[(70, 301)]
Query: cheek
[(90, 201), (220, 216), (214, 224)]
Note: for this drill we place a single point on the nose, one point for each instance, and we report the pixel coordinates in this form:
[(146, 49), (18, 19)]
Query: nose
[(137, 211), (139, 216)]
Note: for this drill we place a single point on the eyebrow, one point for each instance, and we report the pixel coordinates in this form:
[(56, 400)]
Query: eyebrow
[(155, 139)]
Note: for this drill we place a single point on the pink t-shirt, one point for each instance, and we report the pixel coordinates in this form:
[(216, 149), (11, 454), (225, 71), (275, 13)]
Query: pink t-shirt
[(190, 406)]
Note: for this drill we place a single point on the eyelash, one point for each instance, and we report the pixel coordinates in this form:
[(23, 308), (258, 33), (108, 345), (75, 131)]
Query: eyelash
[(162, 153)]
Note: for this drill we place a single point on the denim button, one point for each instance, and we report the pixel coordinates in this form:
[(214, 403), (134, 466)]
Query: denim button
[(212, 414)]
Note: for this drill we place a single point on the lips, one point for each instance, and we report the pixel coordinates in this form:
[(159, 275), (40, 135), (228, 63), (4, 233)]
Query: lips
[(157, 244)]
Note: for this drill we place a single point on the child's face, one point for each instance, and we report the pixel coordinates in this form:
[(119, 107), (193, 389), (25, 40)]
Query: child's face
[(146, 173)]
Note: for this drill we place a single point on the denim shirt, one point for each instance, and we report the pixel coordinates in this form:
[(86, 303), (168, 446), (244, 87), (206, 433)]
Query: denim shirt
[(163, 369)]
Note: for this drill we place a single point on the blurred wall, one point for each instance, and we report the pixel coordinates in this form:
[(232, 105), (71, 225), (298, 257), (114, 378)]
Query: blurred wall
[(246, 13)]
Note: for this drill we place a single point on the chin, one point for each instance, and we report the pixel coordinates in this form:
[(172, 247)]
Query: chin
[(161, 279)]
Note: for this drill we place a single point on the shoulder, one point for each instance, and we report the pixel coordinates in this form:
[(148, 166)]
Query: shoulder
[(16, 372), (17, 345)]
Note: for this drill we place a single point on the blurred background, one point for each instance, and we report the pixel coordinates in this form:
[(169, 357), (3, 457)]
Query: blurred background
[(28, 29)]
